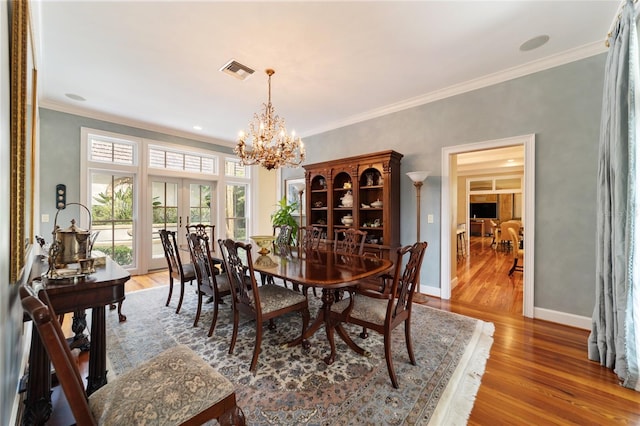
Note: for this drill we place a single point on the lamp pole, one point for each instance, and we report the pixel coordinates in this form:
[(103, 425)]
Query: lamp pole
[(418, 179), (300, 188)]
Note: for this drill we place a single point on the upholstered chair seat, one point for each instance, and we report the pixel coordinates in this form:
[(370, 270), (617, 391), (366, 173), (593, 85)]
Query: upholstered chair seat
[(364, 308), (274, 297), (169, 389)]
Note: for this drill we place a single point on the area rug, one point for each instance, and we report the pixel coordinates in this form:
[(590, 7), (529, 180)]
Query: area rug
[(296, 387)]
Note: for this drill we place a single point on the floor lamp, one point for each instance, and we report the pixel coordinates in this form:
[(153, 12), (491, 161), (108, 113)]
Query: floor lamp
[(300, 188), (418, 178)]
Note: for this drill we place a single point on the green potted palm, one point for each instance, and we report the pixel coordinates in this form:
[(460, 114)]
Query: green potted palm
[(284, 216)]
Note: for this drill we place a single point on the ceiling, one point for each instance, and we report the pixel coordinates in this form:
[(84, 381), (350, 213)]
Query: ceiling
[(156, 64)]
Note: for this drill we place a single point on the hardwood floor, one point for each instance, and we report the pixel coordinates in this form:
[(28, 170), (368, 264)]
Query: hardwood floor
[(537, 373), (483, 278)]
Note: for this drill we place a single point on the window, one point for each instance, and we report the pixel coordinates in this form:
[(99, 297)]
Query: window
[(235, 211), (164, 158), (112, 207), (233, 168), (109, 150)]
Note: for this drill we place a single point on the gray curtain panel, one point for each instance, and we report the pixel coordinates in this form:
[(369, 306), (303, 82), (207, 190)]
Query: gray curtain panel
[(613, 341)]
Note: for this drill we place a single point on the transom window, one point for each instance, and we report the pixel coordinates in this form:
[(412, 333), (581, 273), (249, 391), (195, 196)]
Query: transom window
[(163, 158), (108, 150)]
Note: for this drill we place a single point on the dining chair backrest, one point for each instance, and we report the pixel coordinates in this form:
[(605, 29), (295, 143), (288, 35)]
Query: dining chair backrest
[(245, 297), (204, 230), (283, 234), (405, 283), (311, 238), (201, 260), (171, 252), (504, 229), (349, 241)]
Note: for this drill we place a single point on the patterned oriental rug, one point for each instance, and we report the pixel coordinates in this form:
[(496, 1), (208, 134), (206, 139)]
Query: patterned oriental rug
[(294, 387)]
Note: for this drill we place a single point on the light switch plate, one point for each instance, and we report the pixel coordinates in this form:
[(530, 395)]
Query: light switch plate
[(429, 218)]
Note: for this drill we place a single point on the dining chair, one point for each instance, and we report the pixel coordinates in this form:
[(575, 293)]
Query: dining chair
[(505, 237), (283, 234), (182, 272), (281, 244), (207, 230), (383, 311), (311, 238), (349, 241), (518, 253), (175, 387), (263, 303), (211, 282)]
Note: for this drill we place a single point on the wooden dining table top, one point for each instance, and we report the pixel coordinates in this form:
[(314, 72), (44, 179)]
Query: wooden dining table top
[(318, 268)]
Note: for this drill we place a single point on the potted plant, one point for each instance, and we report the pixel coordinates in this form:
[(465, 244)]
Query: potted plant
[(284, 216)]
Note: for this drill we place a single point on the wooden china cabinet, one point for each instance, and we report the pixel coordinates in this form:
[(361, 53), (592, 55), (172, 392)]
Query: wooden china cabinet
[(372, 182)]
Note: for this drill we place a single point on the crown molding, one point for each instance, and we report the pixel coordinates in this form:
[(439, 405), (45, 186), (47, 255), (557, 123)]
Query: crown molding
[(549, 62), (97, 115)]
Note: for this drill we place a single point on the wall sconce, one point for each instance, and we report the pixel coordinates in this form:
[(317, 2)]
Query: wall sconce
[(418, 178)]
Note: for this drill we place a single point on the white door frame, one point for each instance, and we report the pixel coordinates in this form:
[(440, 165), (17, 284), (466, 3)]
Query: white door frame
[(447, 231)]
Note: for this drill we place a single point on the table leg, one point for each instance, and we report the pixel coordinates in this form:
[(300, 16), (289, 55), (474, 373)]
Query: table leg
[(97, 353), (79, 339), (38, 402)]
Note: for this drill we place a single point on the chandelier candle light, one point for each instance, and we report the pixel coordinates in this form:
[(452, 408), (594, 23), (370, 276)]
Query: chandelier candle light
[(418, 178), (270, 144)]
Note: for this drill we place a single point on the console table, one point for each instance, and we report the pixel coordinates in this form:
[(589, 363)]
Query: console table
[(102, 288)]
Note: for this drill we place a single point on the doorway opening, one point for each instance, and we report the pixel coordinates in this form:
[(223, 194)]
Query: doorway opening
[(450, 217)]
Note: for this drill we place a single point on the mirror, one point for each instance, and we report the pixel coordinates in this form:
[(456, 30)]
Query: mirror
[(23, 136)]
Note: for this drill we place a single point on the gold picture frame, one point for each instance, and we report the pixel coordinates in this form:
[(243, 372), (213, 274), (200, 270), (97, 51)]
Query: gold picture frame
[(23, 131)]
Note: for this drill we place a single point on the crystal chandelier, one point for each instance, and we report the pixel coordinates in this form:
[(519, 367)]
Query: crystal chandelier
[(270, 144)]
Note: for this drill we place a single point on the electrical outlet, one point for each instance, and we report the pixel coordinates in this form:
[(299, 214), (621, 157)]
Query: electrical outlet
[(45, 218), (429, 218)]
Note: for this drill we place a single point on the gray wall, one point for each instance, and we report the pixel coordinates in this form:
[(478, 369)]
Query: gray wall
[(562, 107), (60, 156)]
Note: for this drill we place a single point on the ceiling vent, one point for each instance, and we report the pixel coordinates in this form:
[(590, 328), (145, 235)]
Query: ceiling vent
[(236, 69)]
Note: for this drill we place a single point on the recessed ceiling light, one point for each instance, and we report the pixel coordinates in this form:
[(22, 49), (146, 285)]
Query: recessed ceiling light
[(511, 160), (75, 97), (534, 43), (197, 127)]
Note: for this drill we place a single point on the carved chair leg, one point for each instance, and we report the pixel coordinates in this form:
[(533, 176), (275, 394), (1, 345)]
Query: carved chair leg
[(407, 337), (387, 355), (214, 320), (198, 310), (256, 348), (170, 290)]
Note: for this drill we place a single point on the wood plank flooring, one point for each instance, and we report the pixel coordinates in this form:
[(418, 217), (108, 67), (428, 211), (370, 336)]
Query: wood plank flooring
[(537, 373)]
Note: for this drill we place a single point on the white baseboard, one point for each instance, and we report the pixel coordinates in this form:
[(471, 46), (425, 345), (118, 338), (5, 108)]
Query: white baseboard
[(558, 317), (563, 318), (430, 291)]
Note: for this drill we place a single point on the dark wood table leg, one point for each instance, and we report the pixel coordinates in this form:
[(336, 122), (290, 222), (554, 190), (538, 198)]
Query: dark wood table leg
[(79, 339), (97, 353), (38, 402)]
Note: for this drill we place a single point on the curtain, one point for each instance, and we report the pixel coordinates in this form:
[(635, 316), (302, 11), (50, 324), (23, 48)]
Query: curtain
[(614, 336)]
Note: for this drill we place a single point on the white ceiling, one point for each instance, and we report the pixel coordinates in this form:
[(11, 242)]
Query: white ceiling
[(155, 64)]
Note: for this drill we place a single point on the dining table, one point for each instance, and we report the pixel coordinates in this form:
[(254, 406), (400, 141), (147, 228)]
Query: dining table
[(328, 271)]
